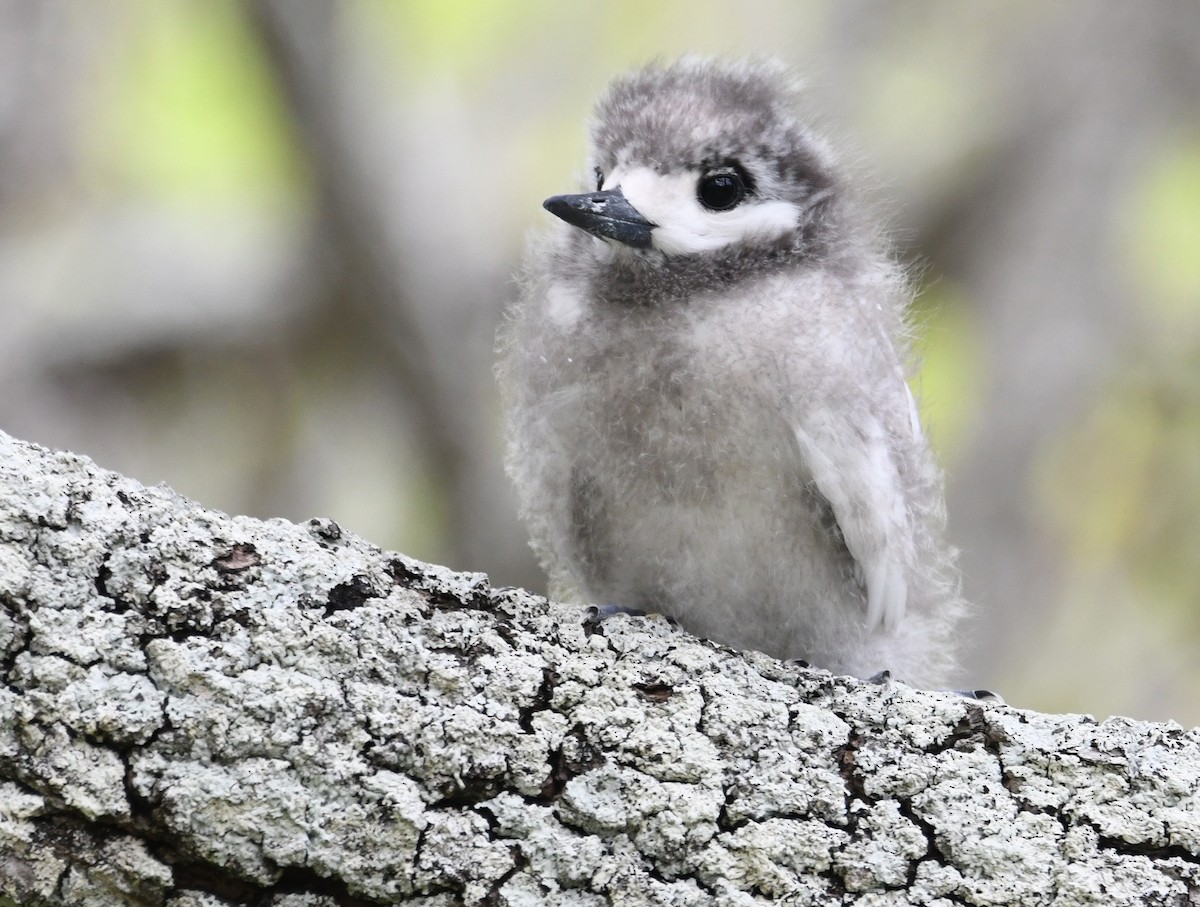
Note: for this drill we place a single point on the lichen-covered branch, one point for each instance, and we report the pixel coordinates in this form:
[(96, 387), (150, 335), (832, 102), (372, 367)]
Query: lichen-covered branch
[(199, 709)]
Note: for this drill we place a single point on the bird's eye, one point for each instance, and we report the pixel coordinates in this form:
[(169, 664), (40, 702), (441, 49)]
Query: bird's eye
[(599, 174), (721, 191)]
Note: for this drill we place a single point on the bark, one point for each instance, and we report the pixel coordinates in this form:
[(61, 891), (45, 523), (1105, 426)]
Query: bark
[(200, 709)]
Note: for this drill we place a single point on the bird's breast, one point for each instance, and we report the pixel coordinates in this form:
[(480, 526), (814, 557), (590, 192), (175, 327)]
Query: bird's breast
[(672, 418), (681, 484)]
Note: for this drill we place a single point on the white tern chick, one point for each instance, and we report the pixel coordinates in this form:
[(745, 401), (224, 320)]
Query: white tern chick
[(705, 385)]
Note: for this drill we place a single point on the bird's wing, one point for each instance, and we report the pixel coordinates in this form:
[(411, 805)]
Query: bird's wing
[(855, 472)]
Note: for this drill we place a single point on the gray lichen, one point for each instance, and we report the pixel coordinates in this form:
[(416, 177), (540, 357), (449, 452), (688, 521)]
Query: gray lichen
[(201, 710)]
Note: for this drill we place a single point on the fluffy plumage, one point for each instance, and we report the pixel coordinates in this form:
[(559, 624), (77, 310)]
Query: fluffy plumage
[(710, 418)]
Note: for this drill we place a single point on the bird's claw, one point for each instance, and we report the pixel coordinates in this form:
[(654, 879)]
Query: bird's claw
[(981, 695), (883, 677), (594, 615)]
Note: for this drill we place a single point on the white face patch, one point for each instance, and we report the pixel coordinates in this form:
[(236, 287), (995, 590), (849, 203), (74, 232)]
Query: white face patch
[(686, 226)]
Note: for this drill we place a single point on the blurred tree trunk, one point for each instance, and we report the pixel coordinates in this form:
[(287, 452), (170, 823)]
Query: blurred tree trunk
[(1026, 209), (1038, 241), (429, 322)]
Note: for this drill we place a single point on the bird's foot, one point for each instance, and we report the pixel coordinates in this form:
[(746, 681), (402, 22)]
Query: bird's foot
[(596, 614), (981, 695)]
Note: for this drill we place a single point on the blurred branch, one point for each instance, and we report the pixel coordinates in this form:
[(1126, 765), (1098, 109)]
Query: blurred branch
[(1032, 233), (438, 347), (301, 39)]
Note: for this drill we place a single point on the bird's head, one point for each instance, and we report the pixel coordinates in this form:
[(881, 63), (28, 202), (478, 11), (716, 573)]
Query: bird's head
[(701, 156)]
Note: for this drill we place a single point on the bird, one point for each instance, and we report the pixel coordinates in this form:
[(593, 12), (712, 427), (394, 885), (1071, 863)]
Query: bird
[(705, 381)]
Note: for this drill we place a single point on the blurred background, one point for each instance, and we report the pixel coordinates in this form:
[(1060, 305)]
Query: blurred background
[(258, 251)]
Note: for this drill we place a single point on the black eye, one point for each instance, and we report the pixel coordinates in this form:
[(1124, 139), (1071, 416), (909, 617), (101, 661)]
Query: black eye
[(599, 178), (721, 191)]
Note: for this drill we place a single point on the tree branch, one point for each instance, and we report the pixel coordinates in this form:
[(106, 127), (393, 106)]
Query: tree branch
[(199, 708)]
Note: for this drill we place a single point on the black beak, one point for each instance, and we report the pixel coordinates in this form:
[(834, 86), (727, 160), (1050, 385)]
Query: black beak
[(604, 214)]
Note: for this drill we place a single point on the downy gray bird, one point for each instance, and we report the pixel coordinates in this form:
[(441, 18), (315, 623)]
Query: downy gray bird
[(705, 384)]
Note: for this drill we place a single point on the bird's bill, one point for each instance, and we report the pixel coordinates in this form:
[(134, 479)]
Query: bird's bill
[(606, 214)]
